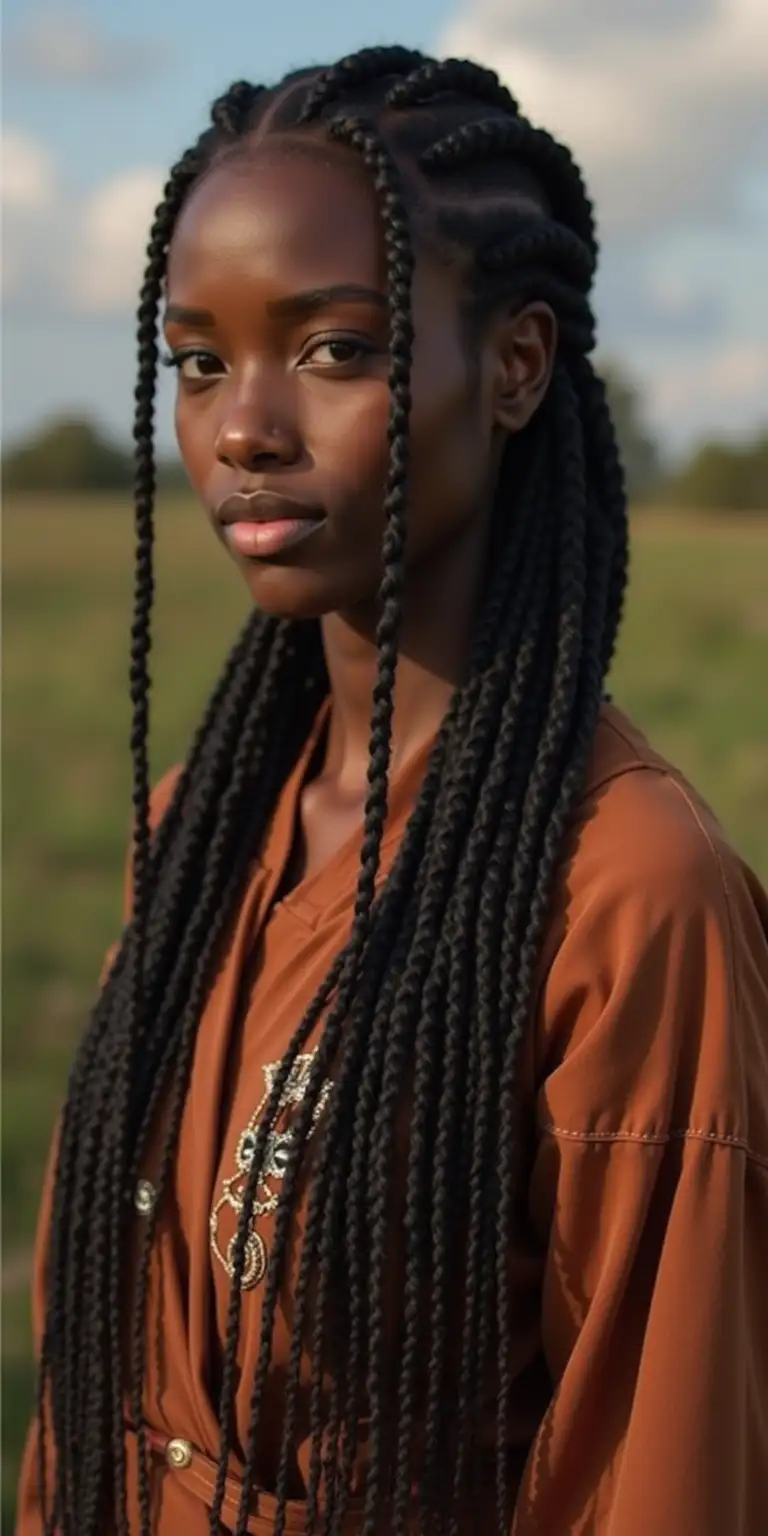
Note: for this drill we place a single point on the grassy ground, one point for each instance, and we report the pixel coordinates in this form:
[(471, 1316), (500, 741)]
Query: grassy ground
[(692, 671)]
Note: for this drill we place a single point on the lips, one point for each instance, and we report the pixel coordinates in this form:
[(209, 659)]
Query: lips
[(267, 507), (263, 524)]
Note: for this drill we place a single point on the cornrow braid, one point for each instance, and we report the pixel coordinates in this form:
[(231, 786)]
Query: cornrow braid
[(515, 136), (457, 77), (550, 262), (357, 70), (231, 113), (537, 243), (422, 1015)]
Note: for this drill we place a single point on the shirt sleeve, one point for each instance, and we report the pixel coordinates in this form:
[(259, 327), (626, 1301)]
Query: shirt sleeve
[(650, 1188), (29, 1519)]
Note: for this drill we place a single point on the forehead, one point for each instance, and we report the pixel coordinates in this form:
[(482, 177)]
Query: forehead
[(280, 211)]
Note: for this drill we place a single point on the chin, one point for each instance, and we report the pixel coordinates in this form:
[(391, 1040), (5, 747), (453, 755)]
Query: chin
[(285, 592)]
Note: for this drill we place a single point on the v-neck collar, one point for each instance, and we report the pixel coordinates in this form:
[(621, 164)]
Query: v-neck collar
[(338, 873)]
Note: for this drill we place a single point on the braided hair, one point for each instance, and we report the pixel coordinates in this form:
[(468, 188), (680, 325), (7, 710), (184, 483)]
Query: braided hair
[(429, 1001)]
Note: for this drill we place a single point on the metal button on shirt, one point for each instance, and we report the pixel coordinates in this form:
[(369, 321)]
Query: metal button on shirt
[(178, 1454), (144, 1197)]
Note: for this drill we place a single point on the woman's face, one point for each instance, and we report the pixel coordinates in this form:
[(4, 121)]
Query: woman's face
[(277, 320)]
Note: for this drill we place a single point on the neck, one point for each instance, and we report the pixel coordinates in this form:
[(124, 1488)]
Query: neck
[(438, 607)]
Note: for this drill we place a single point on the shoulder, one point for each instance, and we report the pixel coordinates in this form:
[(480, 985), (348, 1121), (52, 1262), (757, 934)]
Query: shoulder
[(639, 814), (163, 794), (655, 992), (645, 837)]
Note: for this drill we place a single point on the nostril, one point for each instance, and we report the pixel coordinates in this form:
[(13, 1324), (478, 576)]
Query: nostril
[(245, 444), (245, 456)]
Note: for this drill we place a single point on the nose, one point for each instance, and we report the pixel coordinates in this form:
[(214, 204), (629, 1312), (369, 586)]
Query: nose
[(253, 437)]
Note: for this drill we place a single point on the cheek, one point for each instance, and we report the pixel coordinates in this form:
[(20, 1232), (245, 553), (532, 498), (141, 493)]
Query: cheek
[(346, 435), (195, 435), (344, 430)]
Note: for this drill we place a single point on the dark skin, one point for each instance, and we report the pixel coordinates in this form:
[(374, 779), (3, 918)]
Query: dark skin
[(296, 400)]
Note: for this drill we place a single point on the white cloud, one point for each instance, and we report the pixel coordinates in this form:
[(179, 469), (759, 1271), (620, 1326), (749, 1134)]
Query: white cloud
[(66, 252), (111, 238), (27, 173), (59, 43), (663, 103), (28, 196), (714, 394)]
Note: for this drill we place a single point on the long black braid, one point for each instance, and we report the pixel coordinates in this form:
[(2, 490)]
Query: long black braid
[(424, 1011)]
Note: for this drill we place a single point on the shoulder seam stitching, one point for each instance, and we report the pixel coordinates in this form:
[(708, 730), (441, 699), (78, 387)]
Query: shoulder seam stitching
[(726, 890), (658, 1139)]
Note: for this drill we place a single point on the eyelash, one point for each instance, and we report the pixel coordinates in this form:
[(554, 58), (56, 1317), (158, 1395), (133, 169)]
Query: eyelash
[(356, 344), (176, 359)]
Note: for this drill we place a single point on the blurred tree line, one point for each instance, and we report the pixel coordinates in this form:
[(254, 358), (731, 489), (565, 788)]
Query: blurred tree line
[(73, 455)]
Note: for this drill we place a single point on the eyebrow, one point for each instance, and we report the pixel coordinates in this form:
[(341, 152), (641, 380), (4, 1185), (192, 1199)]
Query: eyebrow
[(299, 306), (178, 314)]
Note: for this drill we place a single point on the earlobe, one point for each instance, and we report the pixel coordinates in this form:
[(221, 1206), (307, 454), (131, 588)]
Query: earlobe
[(527, 344)]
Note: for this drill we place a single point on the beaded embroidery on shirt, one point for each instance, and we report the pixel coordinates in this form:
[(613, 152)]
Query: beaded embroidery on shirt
[(276, 1155)]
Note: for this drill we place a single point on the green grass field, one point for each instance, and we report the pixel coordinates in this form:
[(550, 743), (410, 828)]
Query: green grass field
[(692, 671)]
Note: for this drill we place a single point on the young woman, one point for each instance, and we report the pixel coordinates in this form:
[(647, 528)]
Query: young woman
[(413, 1172)]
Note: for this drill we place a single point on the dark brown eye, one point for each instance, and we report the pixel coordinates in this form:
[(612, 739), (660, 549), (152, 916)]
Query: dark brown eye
[(197, 365), (336, 351)]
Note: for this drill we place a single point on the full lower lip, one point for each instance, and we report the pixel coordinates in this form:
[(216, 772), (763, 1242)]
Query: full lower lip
[(261, 540)]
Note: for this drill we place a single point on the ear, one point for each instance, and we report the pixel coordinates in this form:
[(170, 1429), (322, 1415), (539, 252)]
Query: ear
[(525, 344)]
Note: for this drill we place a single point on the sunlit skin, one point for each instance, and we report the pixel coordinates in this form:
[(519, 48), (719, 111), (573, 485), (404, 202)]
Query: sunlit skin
[(291, 397)]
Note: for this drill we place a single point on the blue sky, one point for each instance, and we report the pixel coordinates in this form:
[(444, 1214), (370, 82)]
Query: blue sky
[(663, 102)]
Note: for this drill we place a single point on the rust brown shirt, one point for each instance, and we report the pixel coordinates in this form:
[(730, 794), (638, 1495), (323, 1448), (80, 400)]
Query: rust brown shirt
[(640, 1277)]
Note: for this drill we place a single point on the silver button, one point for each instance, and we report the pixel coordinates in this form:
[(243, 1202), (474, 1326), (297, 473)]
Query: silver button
[(145, 1197), (178, 1454)]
